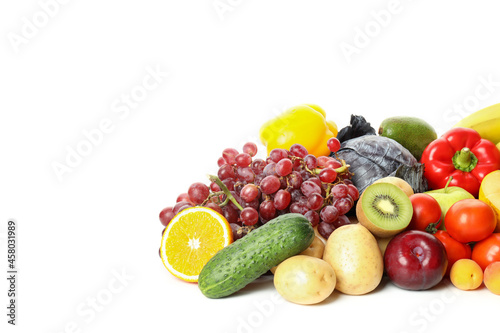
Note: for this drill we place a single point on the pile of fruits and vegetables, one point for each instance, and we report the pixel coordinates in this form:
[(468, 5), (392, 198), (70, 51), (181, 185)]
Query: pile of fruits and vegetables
[(333, 210)]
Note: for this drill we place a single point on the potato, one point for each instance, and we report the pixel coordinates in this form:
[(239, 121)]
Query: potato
[(355, 256), (304, 279), (316, 250), (382, 243)]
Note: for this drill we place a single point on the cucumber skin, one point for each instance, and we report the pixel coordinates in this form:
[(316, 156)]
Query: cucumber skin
[(246, 259)]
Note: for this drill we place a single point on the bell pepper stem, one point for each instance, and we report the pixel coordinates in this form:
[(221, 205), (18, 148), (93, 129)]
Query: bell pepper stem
[(464, 160)]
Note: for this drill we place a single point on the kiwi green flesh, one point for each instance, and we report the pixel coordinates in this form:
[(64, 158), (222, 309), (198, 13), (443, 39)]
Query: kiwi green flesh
[(387, 206)]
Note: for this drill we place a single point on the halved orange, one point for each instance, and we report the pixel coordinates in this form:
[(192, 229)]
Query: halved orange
[(193, 237)]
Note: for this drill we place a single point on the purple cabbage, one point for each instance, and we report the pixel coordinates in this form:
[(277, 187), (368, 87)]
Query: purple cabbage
[(372, 157)]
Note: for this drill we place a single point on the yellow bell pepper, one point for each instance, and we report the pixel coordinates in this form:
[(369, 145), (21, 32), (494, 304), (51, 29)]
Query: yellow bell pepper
[(304, 124)]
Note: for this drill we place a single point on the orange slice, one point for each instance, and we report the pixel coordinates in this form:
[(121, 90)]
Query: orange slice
[(193, 237)]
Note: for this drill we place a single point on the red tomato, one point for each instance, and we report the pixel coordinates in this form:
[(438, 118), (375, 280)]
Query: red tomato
[(470, 220), (426, 213), (454, 249), (487, 251)]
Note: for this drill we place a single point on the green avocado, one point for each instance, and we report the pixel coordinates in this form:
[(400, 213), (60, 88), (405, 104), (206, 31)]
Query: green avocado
[(412, 133)]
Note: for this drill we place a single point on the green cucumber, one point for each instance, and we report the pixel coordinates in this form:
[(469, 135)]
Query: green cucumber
[(243, 261)]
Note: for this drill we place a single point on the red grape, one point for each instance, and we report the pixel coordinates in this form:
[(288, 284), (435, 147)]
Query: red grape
[(316, 181), (245, 174), (243, 160), (198, 192), (333, 163), (298, 150), (229, 183), (308, 187), (325, 229), (258, 166), (250, 148), (313, 217), (270, 184), (282, 199), (215, 207), (353, 192), (341, 221), (249, 216), (322, 160), (348, 182), (166, 215), (267, 210), (249, 192), (329, 214), (343, 205), (270, 169), (328, 175), (254, 204), (230, 214), (298, 208), (295, 208), (229, 155), (315, 201), (237, 231), (214, 187), (278, 154), (295, 180), (284, 167), (340, 190), (258, 179), (221, 161), (333, 144), (311, 162), (183, 197), (225, 171), (180, 206)]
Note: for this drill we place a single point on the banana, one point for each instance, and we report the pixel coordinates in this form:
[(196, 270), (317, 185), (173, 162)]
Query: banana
[(486, 122)]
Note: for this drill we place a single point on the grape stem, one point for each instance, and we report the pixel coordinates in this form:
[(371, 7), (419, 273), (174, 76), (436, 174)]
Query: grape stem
[(339, 170), (225, 190), (211, 195)]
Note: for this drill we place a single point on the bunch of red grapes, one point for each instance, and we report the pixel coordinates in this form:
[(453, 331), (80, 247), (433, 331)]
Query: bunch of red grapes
[(249, 191)]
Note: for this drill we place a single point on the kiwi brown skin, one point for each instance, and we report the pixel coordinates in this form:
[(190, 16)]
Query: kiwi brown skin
[(375, 229), (401, 183)]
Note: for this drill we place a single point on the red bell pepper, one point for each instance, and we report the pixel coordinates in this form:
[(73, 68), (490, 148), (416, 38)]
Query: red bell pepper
[(462, 154)]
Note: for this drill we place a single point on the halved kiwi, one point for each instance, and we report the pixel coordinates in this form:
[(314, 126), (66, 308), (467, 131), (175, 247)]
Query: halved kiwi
[(384, 209)]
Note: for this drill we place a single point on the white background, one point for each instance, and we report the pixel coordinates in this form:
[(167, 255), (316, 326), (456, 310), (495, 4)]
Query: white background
[(229, 70)]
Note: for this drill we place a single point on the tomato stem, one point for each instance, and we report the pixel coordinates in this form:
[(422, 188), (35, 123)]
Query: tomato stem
[(432, 228)]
